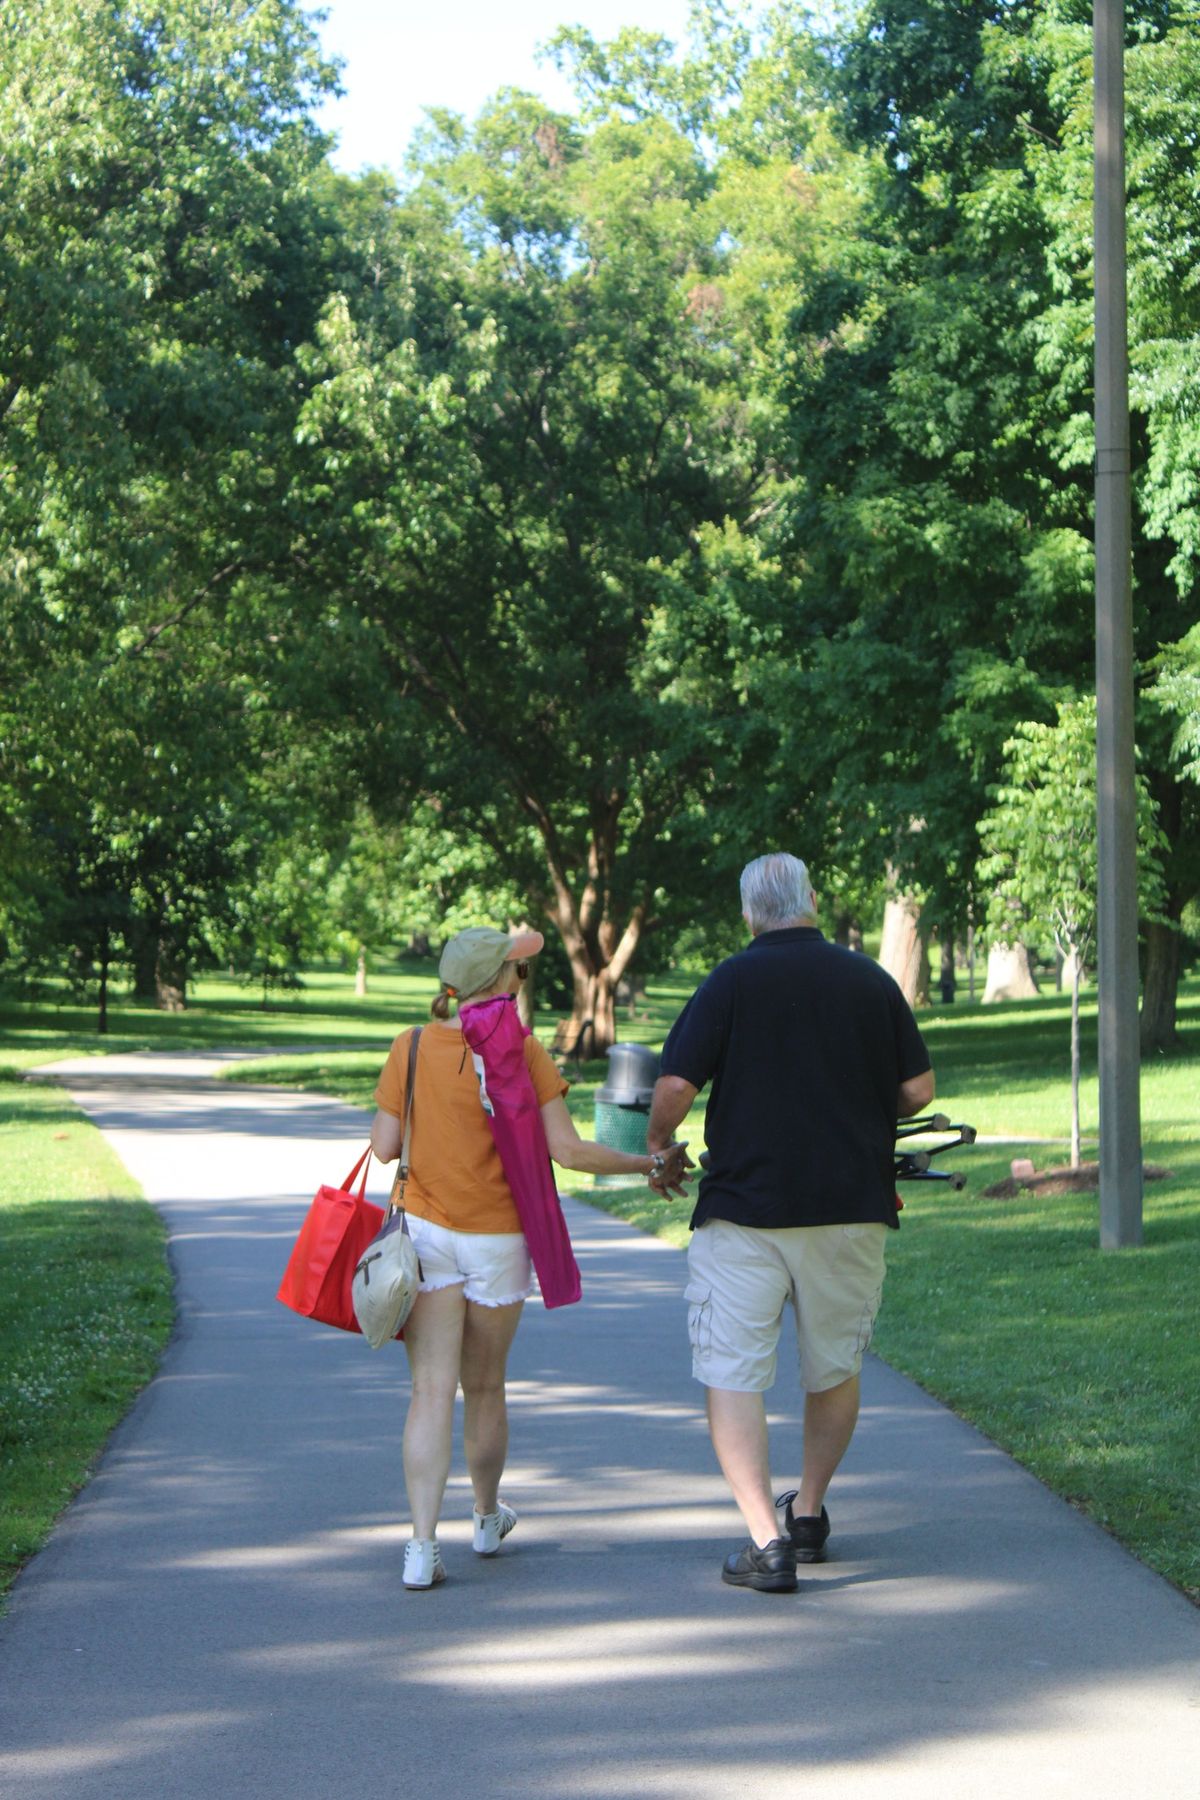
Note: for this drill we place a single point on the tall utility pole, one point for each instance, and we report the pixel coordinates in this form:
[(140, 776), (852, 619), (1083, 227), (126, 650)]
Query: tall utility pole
[(1117, 961)]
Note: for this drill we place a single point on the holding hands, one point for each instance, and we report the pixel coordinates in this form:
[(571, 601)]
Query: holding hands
[(667, 1175)]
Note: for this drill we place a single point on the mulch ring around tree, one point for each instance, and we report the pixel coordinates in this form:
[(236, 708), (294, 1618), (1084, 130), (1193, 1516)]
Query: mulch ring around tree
[(1062, 1181)]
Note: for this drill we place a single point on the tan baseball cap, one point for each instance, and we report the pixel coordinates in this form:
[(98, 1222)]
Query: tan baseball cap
[(473, 958)]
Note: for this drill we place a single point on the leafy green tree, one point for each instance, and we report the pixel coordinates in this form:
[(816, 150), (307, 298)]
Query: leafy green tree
[(704, 471), (941, 391), (1039, 842), (410, 879), (1162, 117), (946, 586), (279, 917), (1172, 727), (531, 469), (160, 229), (167, 240), (136, 815), (362, 914), (1176, 691)]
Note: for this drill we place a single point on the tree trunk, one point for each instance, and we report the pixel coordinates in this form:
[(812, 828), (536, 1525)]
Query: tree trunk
[(902, 949), (971, 963), (525, 997), (947, 982), (145, 961), (1068, 972), (599, 947), (1009, 976), (102, 1019), (170, 979), (591, 1030), (847, 931), (1160, 988), (1073, 960), (921, 997), (360, 975)]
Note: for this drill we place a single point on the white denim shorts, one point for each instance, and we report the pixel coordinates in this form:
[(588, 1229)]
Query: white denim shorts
[(740, 1280), (493, 1267)]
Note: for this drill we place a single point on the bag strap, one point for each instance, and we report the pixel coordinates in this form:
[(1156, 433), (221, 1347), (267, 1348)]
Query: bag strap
[(363, 1163), (396, 1198)]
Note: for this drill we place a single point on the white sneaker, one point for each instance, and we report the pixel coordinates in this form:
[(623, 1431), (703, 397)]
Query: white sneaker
[(492, 1528), (423, 1563)]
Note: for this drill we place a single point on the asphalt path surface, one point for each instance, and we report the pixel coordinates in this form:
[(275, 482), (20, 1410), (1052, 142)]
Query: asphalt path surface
[(221, 1611)]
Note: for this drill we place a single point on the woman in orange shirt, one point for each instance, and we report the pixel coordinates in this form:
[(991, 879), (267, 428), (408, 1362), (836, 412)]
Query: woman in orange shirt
[(475, 1266)]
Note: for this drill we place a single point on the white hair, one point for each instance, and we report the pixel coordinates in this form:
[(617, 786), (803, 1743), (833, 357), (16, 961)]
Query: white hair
[(776, 892)]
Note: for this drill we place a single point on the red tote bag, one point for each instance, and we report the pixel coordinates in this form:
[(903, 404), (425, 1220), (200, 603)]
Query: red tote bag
[(339, 1226)]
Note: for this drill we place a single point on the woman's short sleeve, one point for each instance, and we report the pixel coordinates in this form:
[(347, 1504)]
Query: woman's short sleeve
[(548, 1084), (393, 1079)]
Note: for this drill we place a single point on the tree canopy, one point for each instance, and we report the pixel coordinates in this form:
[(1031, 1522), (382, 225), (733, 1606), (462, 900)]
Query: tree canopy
[(627, 490)]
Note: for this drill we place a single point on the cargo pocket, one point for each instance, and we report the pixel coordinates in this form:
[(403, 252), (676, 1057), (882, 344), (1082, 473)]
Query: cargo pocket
[(699, 1298), (866, 1323), (859, 1265)]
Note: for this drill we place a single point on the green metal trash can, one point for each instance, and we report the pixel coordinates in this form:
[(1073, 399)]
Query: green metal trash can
[(623, 1103)]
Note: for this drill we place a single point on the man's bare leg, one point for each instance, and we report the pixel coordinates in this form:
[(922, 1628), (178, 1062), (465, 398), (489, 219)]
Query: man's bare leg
[(829, 1421), (737, 1423)]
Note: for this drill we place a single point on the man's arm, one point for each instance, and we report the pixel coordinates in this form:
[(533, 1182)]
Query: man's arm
[(673, 1097), (914, 1095)]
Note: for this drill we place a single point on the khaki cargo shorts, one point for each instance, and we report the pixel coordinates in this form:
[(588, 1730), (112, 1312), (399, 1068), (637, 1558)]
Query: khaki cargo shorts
[(740, 1280)]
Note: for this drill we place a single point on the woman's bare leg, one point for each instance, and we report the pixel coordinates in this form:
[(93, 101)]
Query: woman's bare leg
[(487, 1335), (433, 1339)]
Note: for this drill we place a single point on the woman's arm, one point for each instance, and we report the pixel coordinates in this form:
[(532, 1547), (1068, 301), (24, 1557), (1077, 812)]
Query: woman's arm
[(571, 1151), (387, 1135)]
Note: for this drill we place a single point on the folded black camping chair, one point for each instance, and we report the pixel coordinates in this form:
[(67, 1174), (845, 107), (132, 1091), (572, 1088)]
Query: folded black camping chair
[(913, 1165)]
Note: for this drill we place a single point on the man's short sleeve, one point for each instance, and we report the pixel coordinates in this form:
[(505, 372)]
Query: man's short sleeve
[(548, 1084), (697, 1038), (912, 1057), (393, 1079)]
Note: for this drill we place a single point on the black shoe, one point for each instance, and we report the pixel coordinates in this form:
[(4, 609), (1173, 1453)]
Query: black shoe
[(807, 1534), (772, 1569)]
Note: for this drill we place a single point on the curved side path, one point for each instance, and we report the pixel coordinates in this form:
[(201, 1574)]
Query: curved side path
[(221, 1611)]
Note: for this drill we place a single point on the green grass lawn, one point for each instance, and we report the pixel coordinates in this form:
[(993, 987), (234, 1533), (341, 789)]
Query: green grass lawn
[(85, 1307), (1082, 1363), (221, 1014), (1085, 1364)]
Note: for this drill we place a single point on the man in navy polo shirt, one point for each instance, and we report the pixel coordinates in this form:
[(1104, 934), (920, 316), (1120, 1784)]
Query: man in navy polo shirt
[(813, 1055)]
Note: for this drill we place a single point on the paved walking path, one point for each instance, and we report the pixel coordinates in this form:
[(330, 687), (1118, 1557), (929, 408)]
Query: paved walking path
[(221, 1612)]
